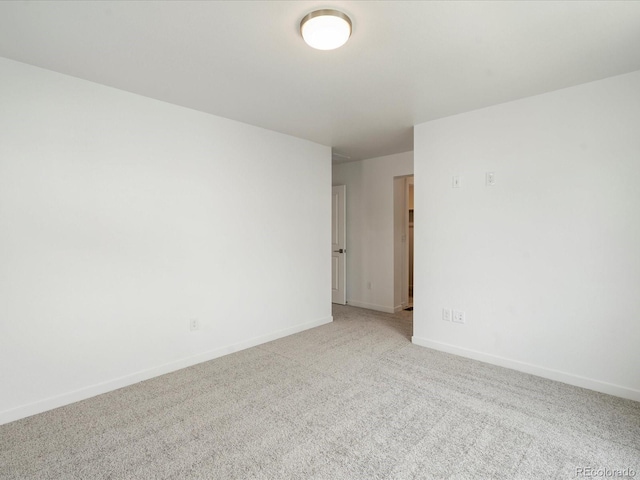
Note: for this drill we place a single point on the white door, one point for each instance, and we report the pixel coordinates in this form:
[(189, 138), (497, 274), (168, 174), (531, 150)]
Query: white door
[(338, 245)]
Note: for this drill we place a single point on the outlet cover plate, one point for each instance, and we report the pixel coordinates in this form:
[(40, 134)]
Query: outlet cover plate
[(490, 179), (458, 317)]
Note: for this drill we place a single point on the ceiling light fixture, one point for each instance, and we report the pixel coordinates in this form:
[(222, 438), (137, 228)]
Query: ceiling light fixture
[(325, 29)]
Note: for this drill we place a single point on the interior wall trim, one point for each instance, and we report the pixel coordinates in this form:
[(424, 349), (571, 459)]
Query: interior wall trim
[(564, 377), (110, 385)]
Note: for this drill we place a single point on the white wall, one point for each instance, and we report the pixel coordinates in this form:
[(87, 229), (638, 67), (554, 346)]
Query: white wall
[(370, 227), (122, 217), (546, 263)]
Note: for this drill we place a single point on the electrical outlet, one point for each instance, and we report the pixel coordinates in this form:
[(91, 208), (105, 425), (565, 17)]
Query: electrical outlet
[(194, 324), (490, 179), (369, 285), (457, 181), (446, 314), (458, 316)]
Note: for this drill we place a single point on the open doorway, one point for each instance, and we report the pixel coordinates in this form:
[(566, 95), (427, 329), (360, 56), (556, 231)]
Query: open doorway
[(410, 241), (403, 241)]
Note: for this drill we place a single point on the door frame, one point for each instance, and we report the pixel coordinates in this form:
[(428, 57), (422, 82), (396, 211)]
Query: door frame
[(339, 244), (401, 236)]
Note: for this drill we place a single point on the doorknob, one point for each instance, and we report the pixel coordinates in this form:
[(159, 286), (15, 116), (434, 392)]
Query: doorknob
[(342, 250)]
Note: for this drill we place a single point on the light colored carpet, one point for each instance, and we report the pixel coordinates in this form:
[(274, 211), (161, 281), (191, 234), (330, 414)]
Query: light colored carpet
[(350, 400)]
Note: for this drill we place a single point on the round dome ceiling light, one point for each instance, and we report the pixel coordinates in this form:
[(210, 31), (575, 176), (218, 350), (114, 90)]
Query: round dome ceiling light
[(325, 29)]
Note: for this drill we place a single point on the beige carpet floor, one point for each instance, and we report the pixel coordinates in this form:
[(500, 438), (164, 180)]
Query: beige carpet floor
[(353, 399)]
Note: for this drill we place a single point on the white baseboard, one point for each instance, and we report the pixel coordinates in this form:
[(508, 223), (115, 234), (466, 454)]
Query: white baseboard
[(371, 306), (544, 372), (110, 385)]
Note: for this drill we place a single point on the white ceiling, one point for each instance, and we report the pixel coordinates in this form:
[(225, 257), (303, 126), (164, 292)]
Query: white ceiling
[(406, 62)]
